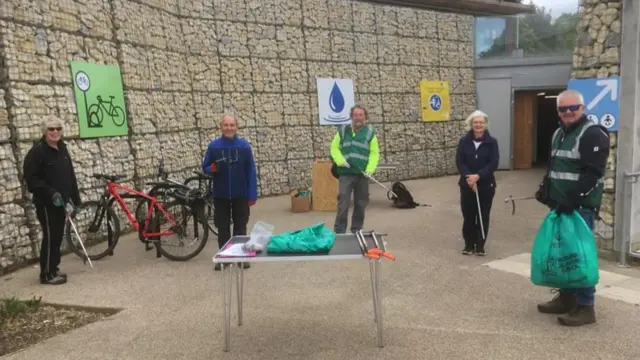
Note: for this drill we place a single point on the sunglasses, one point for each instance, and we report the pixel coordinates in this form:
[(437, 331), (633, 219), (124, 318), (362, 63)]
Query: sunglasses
[(572, 108), (52, 129)]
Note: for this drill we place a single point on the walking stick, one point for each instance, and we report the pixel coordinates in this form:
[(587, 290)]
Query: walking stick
[(479, 212)]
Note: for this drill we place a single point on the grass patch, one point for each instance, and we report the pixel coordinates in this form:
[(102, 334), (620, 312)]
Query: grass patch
[(11, 308), (26, 322)]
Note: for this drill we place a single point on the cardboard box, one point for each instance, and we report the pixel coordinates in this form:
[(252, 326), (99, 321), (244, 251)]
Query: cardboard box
[(324, 187), (300, 201)]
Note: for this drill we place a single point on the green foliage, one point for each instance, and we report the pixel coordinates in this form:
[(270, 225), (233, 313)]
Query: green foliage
[(538, 35), (10, 308)]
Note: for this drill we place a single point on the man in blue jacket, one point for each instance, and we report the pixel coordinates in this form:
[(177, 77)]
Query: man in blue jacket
[(229, 159)]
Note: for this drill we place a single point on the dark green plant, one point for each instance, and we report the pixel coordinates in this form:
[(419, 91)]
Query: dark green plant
[(10, 308)]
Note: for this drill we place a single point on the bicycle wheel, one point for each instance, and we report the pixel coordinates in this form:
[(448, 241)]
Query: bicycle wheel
[(89, 220), (95, 115), (196, 182), (185, 219), (118, 116)]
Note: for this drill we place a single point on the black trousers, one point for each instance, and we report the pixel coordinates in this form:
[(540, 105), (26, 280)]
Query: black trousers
[(227, 209), (52, 221), (471, 230)]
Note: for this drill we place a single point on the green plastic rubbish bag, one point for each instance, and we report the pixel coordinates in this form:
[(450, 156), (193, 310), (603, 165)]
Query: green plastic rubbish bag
[(564, 253), (313, 239)]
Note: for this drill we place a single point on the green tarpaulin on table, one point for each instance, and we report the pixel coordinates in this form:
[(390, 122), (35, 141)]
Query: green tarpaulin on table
[(564, 253), (313, 239)]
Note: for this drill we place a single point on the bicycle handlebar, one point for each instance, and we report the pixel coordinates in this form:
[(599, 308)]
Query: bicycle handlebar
[(187, 195), (203, 175)]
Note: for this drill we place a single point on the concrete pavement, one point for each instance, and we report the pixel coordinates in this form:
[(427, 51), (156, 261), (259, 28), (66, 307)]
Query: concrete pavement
[(437, 303)]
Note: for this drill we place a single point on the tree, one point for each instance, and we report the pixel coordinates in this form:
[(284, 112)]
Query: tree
[(537, 34)]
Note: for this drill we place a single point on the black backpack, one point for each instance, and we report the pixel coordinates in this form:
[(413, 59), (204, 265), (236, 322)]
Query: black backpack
[(403, 198)]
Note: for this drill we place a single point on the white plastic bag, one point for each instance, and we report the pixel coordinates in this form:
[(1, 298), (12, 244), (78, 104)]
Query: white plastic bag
[(260, 236)]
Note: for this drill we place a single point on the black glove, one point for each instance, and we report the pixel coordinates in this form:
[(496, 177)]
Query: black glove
[(565, 207), (540, 195), (569, 204)]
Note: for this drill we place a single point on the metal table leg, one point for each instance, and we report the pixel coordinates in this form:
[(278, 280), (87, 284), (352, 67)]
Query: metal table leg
[(240, 290), (378, 303), (227, 289), (373, 289)]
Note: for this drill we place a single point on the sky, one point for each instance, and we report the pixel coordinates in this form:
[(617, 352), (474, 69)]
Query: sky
[(557, 7)]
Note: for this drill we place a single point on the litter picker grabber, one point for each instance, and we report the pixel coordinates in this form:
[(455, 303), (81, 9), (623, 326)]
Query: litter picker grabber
[(363, 246), (380, 250), (401, 196), (480, 213), (379, 183), (513, 201), (377, 252), (68, 213)]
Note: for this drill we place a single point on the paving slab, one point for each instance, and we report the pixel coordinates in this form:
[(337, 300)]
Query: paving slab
[(437, 303), (611, 285)]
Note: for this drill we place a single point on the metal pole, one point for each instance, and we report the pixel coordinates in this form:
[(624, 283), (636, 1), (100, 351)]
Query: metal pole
[(480, 213), (240, 290), (625, 248)]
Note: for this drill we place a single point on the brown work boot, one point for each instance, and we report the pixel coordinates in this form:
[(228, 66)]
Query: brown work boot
[(561, 304), (578, 316)]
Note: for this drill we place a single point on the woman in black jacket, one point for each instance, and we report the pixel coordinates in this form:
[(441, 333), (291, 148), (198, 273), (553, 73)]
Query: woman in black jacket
[(50, 177), (477, 159)]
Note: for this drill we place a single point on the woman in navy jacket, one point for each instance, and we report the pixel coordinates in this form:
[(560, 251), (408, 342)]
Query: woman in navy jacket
[(477, 159)]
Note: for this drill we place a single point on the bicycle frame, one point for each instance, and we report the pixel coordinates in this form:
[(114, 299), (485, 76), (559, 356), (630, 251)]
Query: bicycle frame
[(111, 193)]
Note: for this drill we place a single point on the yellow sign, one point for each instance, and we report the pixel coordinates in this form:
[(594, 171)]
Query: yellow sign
[(434, 99)]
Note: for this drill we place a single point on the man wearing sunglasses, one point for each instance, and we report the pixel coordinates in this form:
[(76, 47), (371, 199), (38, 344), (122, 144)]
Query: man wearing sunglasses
[(575, 182), (50, 177)]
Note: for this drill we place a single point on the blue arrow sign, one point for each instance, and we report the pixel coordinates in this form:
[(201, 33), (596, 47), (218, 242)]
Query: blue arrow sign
[(601, 99)]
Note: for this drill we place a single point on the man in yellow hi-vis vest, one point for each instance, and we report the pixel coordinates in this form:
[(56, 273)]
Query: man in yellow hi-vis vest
[(355, 150)]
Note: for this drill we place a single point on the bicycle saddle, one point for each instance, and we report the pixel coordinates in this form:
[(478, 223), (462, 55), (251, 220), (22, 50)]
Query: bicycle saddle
[(113, 178)]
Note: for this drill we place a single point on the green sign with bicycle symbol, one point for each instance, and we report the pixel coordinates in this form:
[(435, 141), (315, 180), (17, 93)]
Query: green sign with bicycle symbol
[(99, 100)]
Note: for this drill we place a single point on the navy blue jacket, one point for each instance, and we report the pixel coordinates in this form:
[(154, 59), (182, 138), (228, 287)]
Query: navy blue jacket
[(235, 176), (483, 161)]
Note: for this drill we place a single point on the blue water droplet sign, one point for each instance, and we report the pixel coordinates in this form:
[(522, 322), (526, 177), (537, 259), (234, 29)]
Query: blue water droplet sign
[(335, 99)]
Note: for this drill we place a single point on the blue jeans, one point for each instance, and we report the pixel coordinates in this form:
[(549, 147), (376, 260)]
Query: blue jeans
[(585, 296)]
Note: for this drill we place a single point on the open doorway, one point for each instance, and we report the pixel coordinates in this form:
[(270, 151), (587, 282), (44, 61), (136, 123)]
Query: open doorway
[(535, 119), (546, 123)]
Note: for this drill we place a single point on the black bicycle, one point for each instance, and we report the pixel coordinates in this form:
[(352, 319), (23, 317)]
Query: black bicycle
[(166, 187), (96, 112)]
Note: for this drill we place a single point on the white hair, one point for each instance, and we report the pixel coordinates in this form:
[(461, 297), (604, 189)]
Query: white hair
[(50, 121), (575, 93), (230, 115), (478, 113)]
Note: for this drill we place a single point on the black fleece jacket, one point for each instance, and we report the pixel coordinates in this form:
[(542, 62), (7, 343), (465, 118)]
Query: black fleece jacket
[(482, 161), (48, 170), (594, 152)]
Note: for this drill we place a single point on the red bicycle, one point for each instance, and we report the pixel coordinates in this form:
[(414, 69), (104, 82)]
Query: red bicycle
[(187, 204)]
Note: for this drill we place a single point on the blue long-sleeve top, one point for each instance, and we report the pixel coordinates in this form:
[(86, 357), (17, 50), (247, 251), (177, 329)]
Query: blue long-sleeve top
[(235, 176), (481, 159)]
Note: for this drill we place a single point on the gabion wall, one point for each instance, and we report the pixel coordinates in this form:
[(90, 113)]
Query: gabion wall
[(186, 62)]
